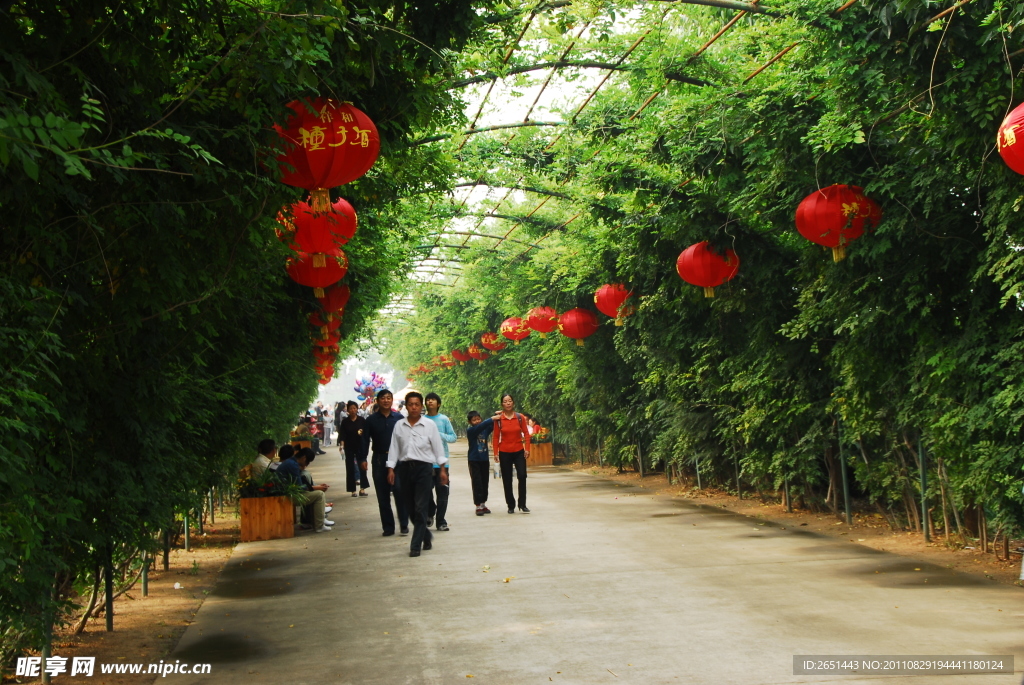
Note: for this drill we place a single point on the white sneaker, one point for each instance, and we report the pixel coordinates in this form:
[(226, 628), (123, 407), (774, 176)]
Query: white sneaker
[(328, 510), (325, 529), (328, 523)]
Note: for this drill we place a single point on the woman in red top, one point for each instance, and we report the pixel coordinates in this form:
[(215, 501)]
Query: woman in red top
[(511, 446)]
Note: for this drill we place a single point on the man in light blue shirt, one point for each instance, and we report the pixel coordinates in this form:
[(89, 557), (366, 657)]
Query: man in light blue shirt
[(447, 431)]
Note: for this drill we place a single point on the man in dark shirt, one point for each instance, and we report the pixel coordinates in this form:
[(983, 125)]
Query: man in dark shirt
[(379, 427), (291, 470), (350, 433)]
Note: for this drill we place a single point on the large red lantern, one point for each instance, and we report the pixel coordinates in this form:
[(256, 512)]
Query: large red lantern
[(327, 144), (325, 325), (461, 357), (492, 342), (578, 324), (611, 301), (318, 270), (702, 267), (309, 231), (514, 329), (477, 354), (335, 299), (1010, 148), (836, 216), (542, 319)]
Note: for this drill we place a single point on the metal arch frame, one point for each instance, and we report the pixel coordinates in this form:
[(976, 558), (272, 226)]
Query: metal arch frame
[(743, 8)]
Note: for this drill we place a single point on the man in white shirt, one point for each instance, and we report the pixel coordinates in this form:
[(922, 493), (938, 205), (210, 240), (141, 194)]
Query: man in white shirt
[(415, 448), (267, 449)]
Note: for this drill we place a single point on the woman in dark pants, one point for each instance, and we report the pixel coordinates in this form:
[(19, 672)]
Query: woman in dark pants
[(511, 447)]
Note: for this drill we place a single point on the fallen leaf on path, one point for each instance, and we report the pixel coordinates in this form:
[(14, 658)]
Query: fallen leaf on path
[(508, 579)]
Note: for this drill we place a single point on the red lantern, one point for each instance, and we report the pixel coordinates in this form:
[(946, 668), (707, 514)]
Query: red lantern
[(578, 324), (327, 144), (836, 216), (514, 329), (446, 361), (492, 342), (309, 231), (324, 325), (1011, 149), (329, 340), (334, 300), (318, 270), (611, 301), (542, 319), (461, 356), (700, 266), (477, 354)]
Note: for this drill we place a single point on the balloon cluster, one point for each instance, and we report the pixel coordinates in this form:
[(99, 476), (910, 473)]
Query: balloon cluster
[(367, 386)]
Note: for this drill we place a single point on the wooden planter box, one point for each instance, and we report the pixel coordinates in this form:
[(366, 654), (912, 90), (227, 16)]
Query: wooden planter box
[(541, 454), (299, 444), (267, 518)]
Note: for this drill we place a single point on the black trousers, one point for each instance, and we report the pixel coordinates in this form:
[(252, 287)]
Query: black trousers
[(417, 480), (439, 502), (380, 484), (507, 460), (354, 471), (479, 476)]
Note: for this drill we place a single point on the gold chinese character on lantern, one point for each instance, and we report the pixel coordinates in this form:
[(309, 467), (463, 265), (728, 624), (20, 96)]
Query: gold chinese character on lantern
[(346, 117), (325, 114), (851, 209), (1009, 136), (362, 136), (343, 132), (313, 139)]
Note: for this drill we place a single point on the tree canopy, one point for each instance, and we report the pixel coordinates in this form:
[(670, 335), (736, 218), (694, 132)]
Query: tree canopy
[(713, 126)]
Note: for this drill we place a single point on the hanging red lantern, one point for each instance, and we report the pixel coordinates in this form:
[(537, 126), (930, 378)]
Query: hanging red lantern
[(700, 266), (318, 270), (325, 326), (1010, 148), (461, 357), (309, 231), (477, 354), (836, 216), (327, 144), (611, 301), (446, 361), (330, 340), (492, 342), (542, 319), (578, 324), (335, 299), (514, 329)]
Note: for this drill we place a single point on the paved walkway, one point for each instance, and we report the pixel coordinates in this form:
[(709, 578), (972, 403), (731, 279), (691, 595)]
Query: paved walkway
[(600, 584)]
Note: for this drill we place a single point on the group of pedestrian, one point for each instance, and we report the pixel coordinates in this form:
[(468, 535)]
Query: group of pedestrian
[(406, 456)]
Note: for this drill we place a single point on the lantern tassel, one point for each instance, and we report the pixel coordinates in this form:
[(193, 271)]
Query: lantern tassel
[(320, 200), (323, 331), (516, 342), (709, 292), (462, 363), (319, 261), (839, 253), (318, 292), (542, 335), (619, 321), (579, 342)]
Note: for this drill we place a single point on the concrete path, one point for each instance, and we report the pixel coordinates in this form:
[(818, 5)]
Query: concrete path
[(600, 584)]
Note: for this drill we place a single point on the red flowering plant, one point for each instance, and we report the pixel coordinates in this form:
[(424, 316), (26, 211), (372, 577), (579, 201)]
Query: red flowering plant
[(267, 484)]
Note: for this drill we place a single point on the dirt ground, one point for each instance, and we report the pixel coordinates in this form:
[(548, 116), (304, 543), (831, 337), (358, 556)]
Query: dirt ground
[(868, 528), (146, 629)]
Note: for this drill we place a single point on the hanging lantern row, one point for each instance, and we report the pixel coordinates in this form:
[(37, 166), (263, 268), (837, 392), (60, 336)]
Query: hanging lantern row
[(326, 144)]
